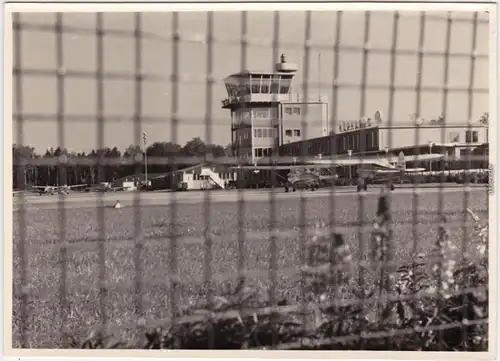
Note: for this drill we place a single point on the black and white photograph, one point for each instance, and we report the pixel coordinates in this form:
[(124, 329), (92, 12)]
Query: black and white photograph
[(250, 179)]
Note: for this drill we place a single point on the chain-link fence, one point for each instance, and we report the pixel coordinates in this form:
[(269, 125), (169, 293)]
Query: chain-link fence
[(340, 269)]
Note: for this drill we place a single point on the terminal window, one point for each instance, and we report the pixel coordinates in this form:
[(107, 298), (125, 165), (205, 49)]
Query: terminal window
[(284, 89), (296, 132), (262, 114), (264, 132), (263, 152), (292, 110), (471, 136), (454, 137), (274, 87), (374, 140), (288, 132)]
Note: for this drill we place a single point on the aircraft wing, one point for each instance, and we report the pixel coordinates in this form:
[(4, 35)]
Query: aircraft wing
[(352, 161), (412, 158), (77, 185), (415, 170), (270, 167), (381, 162), (320, 163)]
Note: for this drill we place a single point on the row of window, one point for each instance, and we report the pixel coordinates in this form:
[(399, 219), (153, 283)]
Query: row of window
[(292, 110), (471, 136), (292, 132), (240, 134), (244, 89), (265, 132), (224, 176), (258, 113), (237, 90), (339, 144), (274, 88), (263, 152), (353, 141), (261, 113)]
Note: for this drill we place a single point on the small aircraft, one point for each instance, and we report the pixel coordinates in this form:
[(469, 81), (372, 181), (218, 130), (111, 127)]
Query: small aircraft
[(391, 172), (308, 175), (51, 190), (104, 187), (308, 178)]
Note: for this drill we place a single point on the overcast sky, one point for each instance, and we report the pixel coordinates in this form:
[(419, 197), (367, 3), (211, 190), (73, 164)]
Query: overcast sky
[(39, 95)]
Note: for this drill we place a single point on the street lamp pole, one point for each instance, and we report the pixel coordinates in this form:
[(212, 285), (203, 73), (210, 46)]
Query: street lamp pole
[(47, 181), (430, 151), (144, 140), (349, 152)]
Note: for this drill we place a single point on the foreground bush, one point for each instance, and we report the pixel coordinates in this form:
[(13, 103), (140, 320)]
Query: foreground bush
[(439, 302)]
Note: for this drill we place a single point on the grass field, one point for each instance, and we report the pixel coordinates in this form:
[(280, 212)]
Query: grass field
[(221, 223)]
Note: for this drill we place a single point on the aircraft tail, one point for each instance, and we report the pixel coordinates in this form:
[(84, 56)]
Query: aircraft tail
[(401, 163)]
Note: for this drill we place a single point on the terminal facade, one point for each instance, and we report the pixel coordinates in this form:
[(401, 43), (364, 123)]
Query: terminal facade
[(265, 119), (367, 137)]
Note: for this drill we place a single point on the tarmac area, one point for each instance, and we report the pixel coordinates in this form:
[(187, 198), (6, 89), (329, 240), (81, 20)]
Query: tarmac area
[(109, 199)]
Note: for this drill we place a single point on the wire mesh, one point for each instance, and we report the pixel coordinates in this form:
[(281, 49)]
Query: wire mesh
[(355, 318)]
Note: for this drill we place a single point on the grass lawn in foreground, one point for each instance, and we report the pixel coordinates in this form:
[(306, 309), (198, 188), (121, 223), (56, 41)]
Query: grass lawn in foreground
[(85, 228)]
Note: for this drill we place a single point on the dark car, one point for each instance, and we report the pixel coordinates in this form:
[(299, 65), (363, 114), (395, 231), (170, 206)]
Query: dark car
[(180, 187)]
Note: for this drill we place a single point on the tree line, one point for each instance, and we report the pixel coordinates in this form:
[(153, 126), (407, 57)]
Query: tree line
[(116, 164)]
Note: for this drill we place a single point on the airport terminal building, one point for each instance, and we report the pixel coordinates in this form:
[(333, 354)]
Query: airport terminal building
[(265, 119), (264, 115), (367, 137)]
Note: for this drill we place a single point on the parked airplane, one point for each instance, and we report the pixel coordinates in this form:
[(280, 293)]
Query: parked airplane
[(104, 187), (308, 175), (392, 172), (56, 189)]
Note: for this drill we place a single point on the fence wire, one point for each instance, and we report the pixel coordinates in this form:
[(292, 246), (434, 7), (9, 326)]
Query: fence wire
[(432, 327)]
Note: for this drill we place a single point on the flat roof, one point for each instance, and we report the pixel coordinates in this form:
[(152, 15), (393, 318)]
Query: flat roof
[(248, 73), (428, 125), (217, 167)]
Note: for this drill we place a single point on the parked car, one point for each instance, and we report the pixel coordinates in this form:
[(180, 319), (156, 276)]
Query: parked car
[(180, 187)]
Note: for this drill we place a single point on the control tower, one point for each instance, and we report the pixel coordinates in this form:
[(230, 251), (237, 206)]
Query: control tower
[(255, 99)]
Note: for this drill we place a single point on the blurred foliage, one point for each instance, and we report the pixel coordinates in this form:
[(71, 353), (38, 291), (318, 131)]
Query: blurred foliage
[(130, 162), (24, 176)]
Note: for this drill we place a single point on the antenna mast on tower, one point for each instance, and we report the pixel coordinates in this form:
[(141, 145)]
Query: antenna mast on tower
[(319, 76)]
